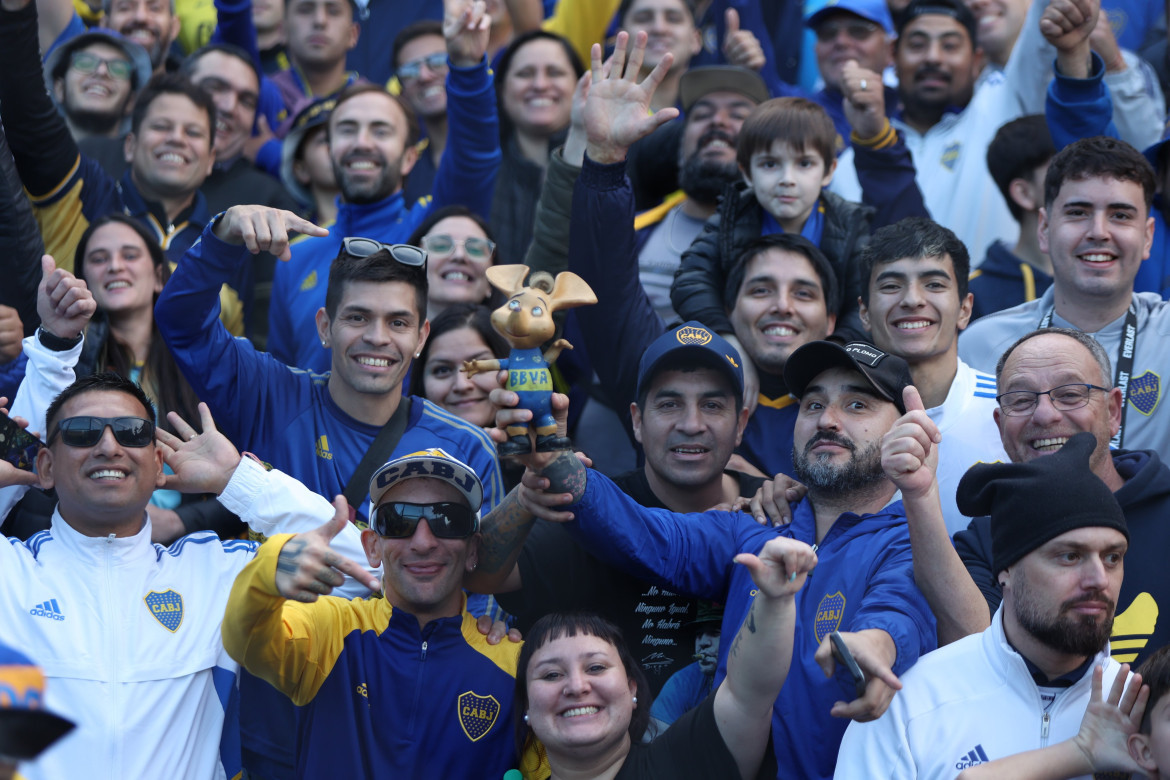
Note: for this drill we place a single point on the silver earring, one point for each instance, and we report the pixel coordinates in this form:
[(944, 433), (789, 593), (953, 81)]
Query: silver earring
[(526, 719), (635, 700)]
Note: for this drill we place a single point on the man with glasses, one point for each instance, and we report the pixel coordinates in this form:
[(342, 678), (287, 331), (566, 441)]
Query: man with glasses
[(372, 144), (372, 703), (420, 65), (1053, 384), (316, 427), (94, 78)]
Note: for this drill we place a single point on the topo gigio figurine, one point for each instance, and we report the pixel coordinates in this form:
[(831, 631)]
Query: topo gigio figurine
[(526, 322)]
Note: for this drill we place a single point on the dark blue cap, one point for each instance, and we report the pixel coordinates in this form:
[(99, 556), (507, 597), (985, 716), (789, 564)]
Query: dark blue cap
[(692, 341)]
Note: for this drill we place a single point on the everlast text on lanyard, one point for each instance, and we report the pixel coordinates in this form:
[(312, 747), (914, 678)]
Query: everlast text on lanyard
[(1124, 364)]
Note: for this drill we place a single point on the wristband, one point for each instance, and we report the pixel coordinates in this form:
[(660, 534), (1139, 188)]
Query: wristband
[(56, 343)]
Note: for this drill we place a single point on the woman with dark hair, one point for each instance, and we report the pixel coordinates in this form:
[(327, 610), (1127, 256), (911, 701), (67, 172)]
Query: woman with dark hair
[(577, 689), (535, 80), (462, 332), (459, 251), (125, 269)]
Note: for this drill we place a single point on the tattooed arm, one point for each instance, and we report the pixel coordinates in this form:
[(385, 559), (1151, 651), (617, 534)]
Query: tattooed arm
[(762, 650)]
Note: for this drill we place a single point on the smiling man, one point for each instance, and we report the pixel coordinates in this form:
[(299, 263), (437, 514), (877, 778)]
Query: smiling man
[(443, 712), (372, 144), (95, 77), (152, 24), (915, 304), (170, 151), (1058, 543), (1097, 229)]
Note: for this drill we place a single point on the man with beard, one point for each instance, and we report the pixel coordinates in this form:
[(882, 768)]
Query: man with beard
[(715, 101), (1058, 541), (850, 396), (1070, 368), (152, 24), (94, 79), (372, 142)]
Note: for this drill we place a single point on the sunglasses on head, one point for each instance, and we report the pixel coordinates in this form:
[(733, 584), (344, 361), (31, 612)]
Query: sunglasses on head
[(447, 520), (86, 62), (413, 69), (88, 431), (443, 245), (405, 254)]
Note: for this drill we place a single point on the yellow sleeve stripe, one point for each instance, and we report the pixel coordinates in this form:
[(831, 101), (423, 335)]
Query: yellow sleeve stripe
[(62, 223), (56, 190), (658, 213), (776, 403), (887, 137), (503, 655)]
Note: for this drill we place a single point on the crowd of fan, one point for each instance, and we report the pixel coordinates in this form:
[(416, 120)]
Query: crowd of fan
[(857, 312)]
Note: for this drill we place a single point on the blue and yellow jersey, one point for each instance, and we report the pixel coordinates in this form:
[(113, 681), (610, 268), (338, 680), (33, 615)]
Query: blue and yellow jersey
[(379, 696)]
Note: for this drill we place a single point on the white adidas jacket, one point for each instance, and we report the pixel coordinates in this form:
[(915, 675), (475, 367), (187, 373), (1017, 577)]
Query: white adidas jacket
[(969, 702), (128, 633)]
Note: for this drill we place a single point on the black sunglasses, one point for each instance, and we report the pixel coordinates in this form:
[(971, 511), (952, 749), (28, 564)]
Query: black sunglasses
[(398, 520), (405, 254), (88, 431)]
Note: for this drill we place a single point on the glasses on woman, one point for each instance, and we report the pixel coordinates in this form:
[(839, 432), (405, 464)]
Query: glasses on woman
[(86, 62), (405, 254), (1064, 399), (443, 245)]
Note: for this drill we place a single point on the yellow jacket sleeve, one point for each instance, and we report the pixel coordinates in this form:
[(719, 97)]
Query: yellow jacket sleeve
[(582, 22), (291, 645)]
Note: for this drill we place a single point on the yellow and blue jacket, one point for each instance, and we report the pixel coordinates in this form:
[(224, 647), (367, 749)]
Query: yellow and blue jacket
[(379, 696)]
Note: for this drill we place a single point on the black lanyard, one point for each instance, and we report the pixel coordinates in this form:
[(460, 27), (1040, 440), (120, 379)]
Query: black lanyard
[(1124, 364)]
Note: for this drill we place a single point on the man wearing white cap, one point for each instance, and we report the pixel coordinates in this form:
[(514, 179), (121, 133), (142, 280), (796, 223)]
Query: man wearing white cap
[(402, 686)]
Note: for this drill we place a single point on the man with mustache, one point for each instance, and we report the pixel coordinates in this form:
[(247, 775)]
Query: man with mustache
[(948, 121), (372, 143), (1072, 365), (1058, 543), (850, 396)]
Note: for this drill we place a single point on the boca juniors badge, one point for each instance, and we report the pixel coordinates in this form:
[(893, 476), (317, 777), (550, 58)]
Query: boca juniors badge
[(829, 614), (167, 608), (477, 714), (1144, 391)]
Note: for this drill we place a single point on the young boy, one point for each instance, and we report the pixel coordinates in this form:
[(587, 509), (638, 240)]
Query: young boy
[(787, 155)]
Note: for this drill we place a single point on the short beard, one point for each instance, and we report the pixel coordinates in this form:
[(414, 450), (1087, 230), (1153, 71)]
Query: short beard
[(704, 181), (821, 476), (387, 185), (1063, 633), (99, 123)]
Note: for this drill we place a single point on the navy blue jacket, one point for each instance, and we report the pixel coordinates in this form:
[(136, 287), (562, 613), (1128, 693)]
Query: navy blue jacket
[(1004, 280)]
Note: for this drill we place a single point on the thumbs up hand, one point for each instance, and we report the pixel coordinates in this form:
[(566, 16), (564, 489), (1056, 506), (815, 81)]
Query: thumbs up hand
[(307, 567), (910, 449), (64, 303)]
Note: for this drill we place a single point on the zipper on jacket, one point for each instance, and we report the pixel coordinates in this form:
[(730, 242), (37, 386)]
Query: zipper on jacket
[(424, 651), (116, 671), (1044, 726)]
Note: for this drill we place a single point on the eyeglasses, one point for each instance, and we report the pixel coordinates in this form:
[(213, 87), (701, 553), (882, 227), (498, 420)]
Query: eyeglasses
[(85, 62), (398, 520), (412, 69), (88, 431), (1064, 399), (442, 245), (858, 30), (405, 254)]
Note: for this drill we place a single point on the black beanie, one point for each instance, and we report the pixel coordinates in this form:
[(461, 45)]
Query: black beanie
[(1032, 503)]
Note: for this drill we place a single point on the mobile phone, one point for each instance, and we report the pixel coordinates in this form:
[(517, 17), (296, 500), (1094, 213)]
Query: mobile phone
[(845, 658), (17, 446)]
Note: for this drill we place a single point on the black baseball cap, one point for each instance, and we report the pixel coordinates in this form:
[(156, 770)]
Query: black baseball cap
[(888, 374)]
